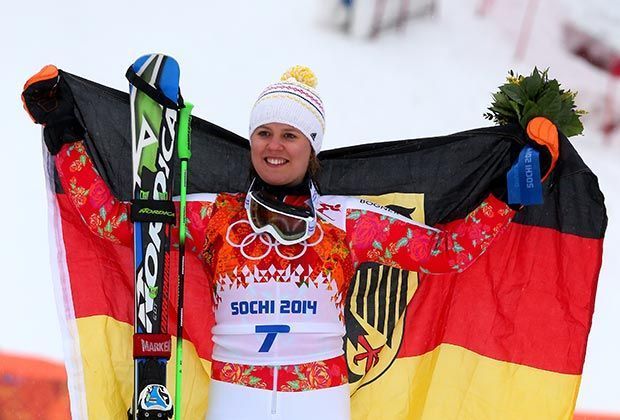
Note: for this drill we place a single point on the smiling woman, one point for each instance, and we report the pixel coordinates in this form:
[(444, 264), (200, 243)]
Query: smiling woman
[(280, 154), (286, 128)]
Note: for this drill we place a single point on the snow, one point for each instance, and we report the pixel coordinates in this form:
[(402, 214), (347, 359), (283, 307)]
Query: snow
[(434, 77), (599, 18)]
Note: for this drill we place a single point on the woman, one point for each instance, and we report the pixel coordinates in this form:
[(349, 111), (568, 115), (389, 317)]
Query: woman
[(279, 259)]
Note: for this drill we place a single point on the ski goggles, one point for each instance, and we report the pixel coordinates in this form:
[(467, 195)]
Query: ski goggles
[(288, 224)]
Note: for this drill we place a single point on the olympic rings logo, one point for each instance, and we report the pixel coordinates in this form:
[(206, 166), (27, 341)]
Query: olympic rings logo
[(269, 241)]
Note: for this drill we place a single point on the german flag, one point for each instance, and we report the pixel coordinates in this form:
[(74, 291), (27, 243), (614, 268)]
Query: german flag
[(506, 339)]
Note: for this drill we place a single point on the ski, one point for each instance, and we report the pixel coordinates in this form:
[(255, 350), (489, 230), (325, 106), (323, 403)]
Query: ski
[(154, 101)]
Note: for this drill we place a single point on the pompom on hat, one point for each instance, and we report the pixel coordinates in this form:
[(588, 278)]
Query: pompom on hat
[(293, 101)]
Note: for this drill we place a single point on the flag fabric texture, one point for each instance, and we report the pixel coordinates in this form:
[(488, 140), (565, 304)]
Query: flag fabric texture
[(504, 339)]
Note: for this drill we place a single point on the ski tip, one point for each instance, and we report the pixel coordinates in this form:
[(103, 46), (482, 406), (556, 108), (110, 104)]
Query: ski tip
[(137, 65), (160, 71), (169, 80)]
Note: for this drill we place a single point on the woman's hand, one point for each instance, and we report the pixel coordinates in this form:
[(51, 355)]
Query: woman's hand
[(50, 105)]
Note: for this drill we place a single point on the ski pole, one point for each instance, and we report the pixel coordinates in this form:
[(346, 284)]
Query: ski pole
[(184, 152)]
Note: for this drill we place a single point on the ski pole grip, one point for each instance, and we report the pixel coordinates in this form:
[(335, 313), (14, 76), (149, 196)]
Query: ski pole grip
[(183, 147)]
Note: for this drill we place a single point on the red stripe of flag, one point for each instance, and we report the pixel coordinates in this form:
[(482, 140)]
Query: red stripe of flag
[(520, 302)]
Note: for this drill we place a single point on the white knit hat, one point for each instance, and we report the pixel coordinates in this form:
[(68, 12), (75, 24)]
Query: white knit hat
[(292, 101)]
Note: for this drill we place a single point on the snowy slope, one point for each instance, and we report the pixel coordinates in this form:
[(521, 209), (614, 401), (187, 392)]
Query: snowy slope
[(599, 18), (434, 78)]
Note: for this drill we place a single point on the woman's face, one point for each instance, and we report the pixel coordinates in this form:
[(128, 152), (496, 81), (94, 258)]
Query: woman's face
[(280, 154)]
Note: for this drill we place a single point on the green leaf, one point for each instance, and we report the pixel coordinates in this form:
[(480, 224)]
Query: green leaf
[(564, 115), (550, 104), (553, 85), (530, 110), (103, 213), (377, 245), (254, 380), (572, 127), (515, 93), (294, 384), (501, 100), (533, 84), (505, 113), (517, 110)]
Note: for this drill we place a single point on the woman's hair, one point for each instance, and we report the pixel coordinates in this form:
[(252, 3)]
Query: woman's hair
[(313, 172), (314, 168)]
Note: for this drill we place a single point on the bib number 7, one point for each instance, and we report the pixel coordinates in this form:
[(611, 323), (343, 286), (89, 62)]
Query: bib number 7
[(271, 331)]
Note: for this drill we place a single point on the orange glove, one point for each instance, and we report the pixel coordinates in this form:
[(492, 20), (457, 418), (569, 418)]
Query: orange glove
[(39, 95), (50, 103), (543, 132)]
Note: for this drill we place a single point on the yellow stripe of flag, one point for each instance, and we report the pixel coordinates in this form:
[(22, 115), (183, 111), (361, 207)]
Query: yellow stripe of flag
[(452, 382), (106, 347), (449, 382)]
